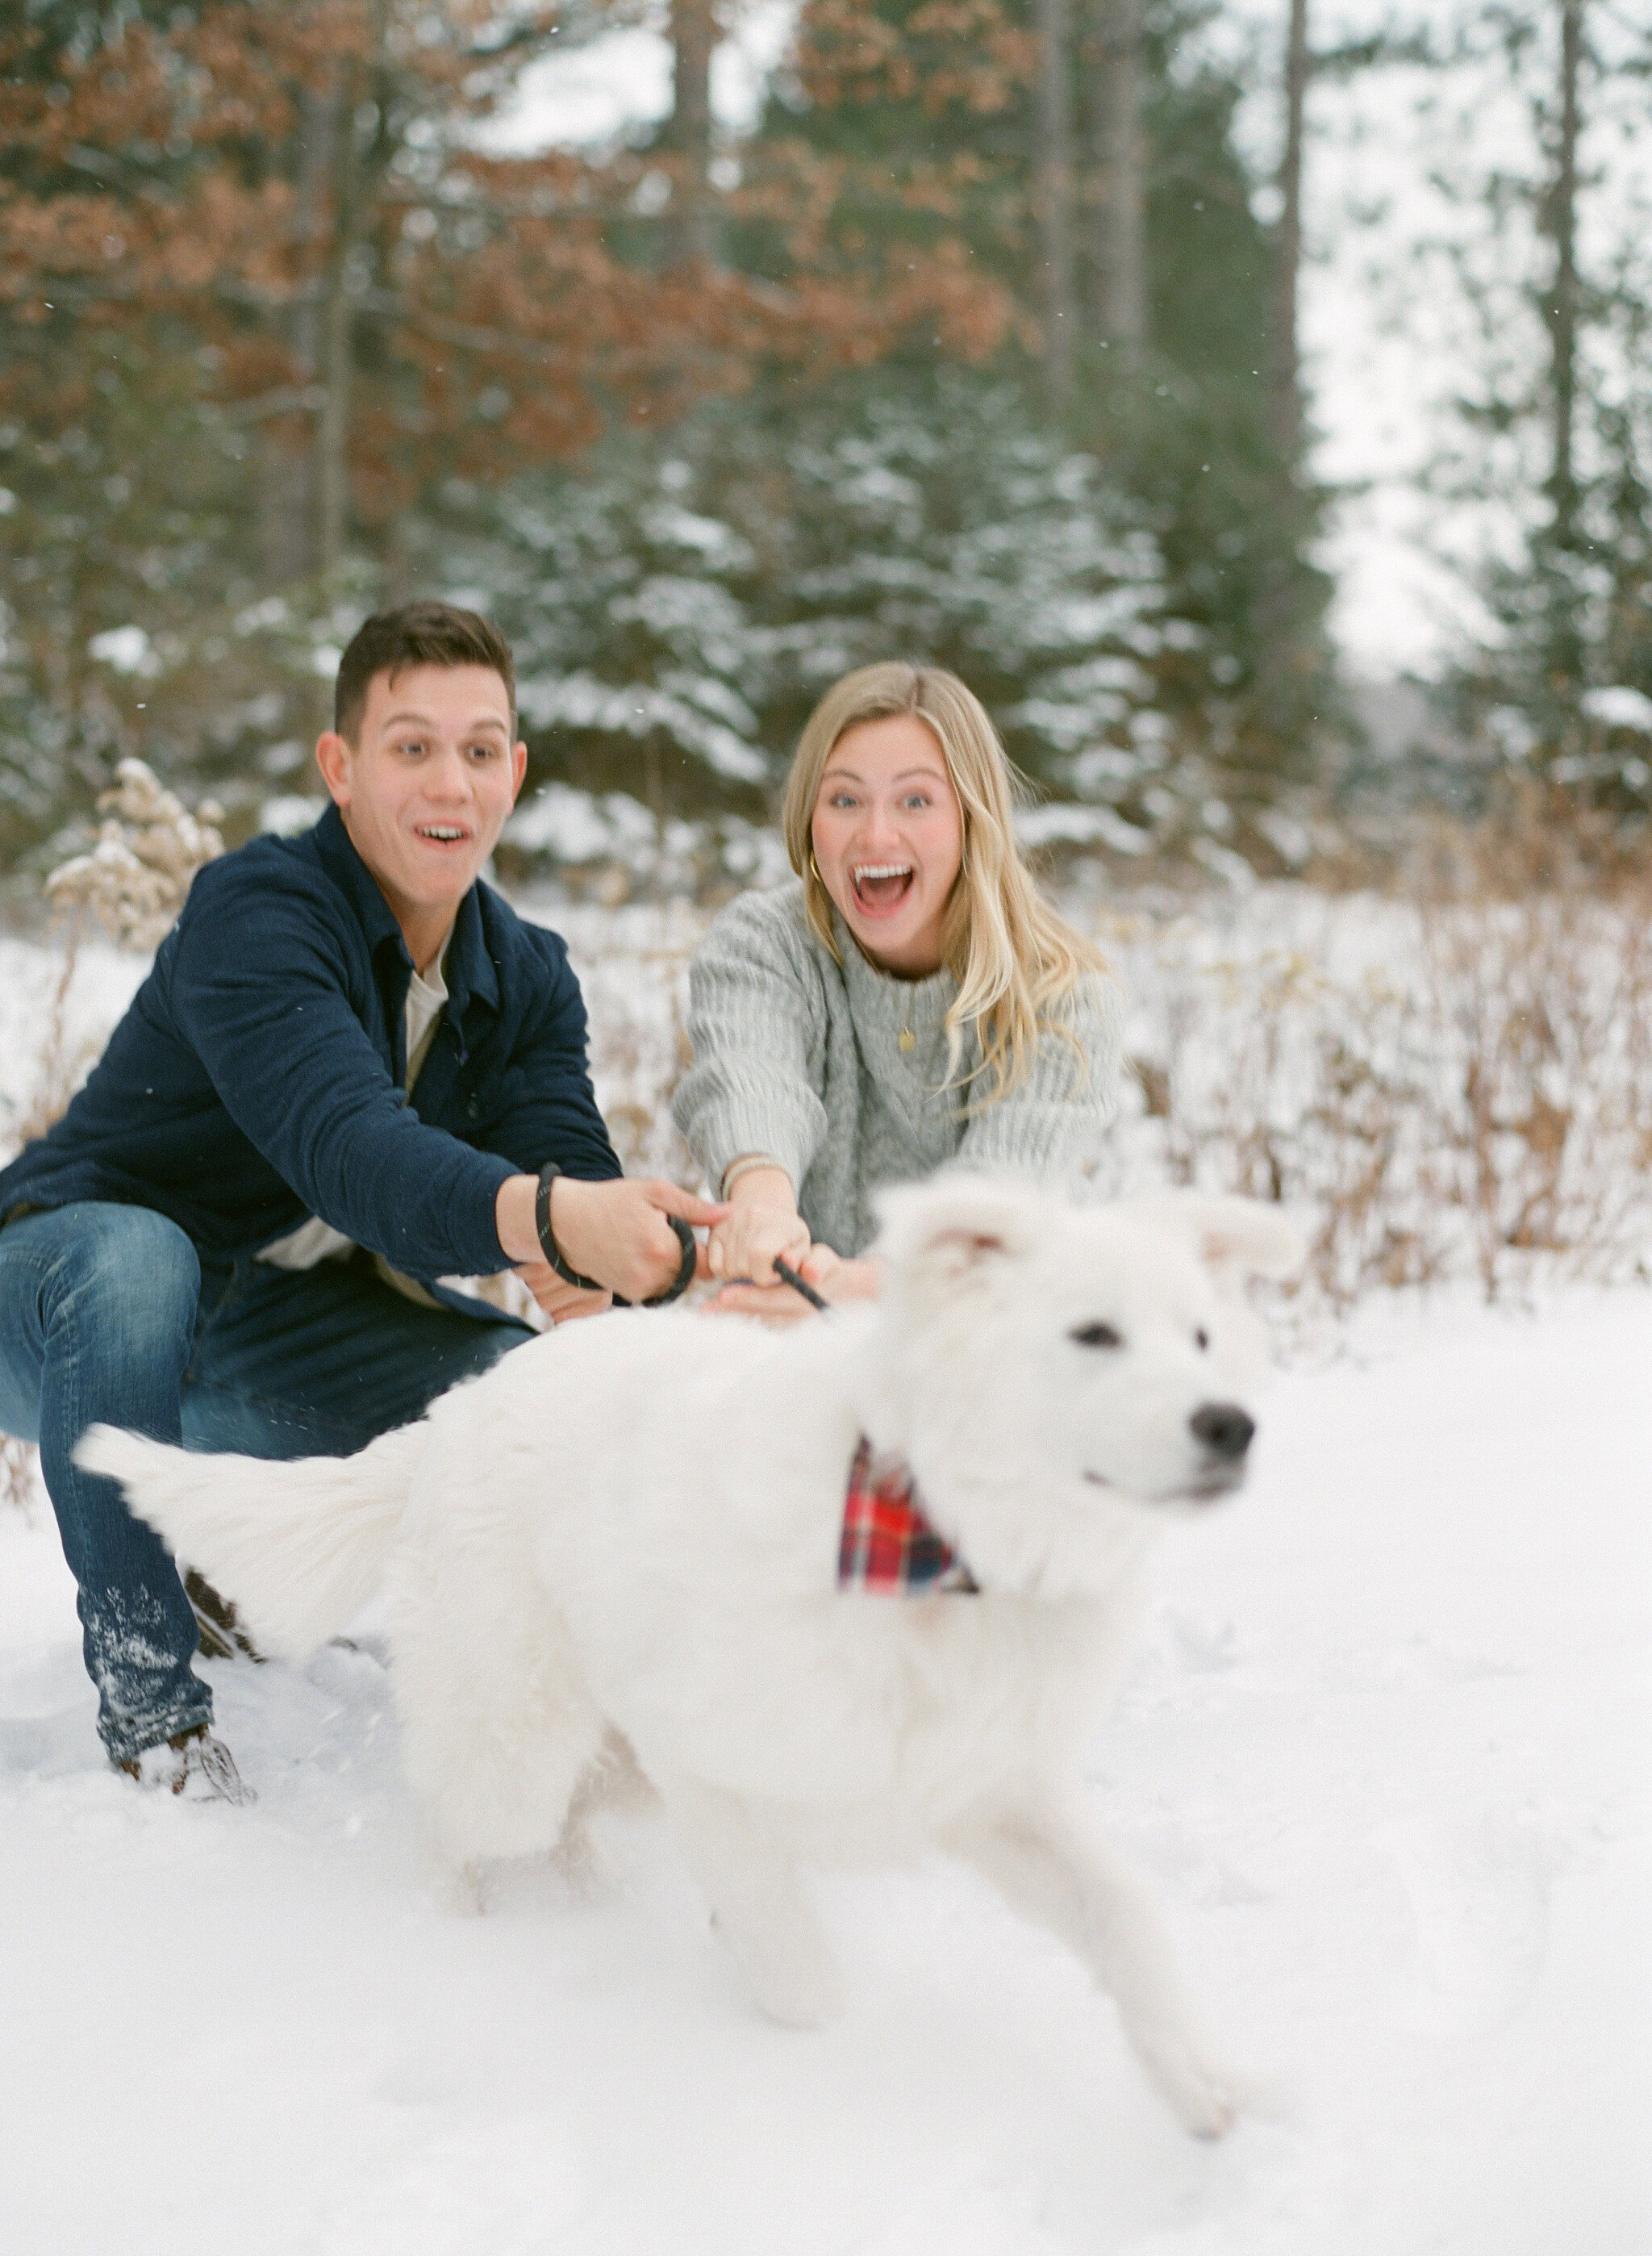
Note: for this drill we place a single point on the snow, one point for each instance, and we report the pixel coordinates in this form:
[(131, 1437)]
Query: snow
[(1382, 1757), (1620, 709)]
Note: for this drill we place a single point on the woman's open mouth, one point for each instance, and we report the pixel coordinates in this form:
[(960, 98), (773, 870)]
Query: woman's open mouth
[(880, 887)]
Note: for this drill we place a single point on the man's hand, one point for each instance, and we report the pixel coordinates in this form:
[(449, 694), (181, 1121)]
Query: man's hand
[(762, 1221), (832, 1277), (615, 1231), (561, 1301)]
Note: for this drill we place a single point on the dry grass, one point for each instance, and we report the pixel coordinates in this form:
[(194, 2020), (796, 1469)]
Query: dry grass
[(1446, 1090), (1458, 1087), (64, 1059), (1455, 1088)]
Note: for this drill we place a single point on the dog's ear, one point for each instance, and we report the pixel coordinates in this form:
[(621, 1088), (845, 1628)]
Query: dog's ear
[(1236, 1238), (956, 1227)]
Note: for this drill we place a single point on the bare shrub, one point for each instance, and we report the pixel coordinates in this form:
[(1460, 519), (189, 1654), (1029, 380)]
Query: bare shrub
[(132, 884), (1543, 1014), (1447, 1091), (632, 968), (149, 846), (1457, 1086), (61, 1064)]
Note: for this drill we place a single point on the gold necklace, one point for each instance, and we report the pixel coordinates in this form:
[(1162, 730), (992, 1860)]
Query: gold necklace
[(907, 1038)]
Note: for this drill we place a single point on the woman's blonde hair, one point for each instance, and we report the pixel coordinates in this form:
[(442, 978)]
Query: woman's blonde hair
[(1015, 961)]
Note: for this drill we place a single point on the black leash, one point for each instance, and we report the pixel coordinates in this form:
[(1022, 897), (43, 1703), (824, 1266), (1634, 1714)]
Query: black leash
[(570, 1275), (788, 1275)]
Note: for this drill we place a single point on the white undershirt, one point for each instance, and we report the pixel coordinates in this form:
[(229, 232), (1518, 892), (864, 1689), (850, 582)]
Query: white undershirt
[(315, 1240)]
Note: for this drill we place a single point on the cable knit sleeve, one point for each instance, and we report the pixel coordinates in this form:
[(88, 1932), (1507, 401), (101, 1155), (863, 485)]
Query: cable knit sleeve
[(1052, 1124), (757, 1022)]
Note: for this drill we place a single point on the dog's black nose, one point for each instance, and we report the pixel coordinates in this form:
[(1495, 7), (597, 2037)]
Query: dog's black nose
[(1224, 1428)]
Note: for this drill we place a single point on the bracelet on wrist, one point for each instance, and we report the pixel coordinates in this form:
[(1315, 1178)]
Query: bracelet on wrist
[(570, 1275), (748, 1164)]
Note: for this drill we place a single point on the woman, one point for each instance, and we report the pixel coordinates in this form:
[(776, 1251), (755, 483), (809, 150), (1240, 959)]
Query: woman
[(909, 1001)]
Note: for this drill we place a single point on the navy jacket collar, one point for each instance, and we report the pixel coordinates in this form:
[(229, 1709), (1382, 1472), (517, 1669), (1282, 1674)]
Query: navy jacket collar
[(469, 971)]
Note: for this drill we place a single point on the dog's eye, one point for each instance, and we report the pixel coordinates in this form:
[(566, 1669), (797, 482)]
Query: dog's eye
[(1095, 1336), (1201, 1338)]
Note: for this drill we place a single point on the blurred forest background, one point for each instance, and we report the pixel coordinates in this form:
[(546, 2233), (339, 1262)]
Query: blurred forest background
[(976, 335)]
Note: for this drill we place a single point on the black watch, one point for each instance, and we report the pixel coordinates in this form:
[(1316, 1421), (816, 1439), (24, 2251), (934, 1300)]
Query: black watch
[(678, 1286)]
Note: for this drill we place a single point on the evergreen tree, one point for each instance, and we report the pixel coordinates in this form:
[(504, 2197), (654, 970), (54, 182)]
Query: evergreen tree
[(1560, 431), (937, 122), (679, 606), (260, 287)]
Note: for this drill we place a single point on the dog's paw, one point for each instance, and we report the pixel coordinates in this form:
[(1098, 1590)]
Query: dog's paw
[(576, 1860), (799, 1989), (1207, 2096), (811, 2001), (455, 1888)]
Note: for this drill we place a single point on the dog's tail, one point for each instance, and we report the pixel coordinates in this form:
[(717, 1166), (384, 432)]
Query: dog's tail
[(297, 1547)]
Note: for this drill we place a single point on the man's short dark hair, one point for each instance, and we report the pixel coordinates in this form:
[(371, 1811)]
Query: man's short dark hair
[(416, 634)]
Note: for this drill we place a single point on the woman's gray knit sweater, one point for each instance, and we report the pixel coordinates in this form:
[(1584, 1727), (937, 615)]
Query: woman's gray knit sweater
[(799, 1058)]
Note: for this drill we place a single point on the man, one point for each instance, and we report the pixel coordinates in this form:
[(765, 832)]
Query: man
[(336, 1086)]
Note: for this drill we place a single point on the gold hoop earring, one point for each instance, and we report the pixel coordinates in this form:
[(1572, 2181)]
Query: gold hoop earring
[(814, 870)]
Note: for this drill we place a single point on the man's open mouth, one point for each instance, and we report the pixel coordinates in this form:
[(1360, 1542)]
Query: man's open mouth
[(442, 834), (881, 884)]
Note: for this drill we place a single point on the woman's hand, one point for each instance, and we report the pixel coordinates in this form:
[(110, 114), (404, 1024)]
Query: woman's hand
[(762, 1221), (832, 1277)]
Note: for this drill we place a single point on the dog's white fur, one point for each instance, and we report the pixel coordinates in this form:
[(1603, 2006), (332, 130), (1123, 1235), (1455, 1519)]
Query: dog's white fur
[(626, 1534)]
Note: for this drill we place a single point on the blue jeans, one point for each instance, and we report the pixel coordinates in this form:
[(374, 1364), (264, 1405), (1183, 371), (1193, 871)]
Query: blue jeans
[(107, 1314)]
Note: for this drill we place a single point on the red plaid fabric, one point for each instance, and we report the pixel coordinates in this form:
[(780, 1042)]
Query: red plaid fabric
[(887, 1544)]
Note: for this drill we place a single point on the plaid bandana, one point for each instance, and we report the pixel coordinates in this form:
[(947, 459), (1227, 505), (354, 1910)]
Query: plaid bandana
[(887, 1544)]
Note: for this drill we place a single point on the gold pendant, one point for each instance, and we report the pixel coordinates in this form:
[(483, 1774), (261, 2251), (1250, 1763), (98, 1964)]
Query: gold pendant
[(908, 1038)]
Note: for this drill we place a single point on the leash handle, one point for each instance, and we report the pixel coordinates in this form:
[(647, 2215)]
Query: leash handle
[(788, 1275), (685, 1274), (686, 1269), (570, 1275)]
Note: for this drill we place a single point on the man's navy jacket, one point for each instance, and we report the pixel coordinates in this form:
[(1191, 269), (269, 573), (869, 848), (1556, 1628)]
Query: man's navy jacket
[(257, 1078)]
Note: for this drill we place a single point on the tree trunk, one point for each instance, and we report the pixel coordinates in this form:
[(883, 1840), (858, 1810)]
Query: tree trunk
[(693, 36), (1118, 313), (287, 471), (1561, 218), (1284, 379), (358, 176), (1052, 174), (335, 360)]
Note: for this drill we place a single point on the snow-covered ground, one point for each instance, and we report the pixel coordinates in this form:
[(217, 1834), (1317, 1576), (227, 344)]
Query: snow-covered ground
[(1383, 1757)]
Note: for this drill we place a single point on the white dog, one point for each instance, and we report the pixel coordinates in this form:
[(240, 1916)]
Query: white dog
[(628, 1535)]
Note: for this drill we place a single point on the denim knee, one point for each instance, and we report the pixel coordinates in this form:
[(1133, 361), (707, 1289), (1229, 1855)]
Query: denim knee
[(128, 1276)]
